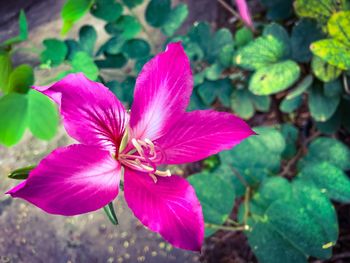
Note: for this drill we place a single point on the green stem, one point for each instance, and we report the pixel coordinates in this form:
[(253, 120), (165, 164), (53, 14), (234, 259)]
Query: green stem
[(246, 205), (227, 228)]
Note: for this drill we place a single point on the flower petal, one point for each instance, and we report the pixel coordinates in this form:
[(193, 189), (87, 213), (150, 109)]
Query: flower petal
[(199, 134), (91, 113), (162, 93), (244, 12), (169, 207), (72, 180)]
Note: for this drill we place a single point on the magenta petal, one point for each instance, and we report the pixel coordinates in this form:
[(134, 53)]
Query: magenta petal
[(169, 207), (91, 113), (162, 93), (199, 134), (72, 180), (243, 10)]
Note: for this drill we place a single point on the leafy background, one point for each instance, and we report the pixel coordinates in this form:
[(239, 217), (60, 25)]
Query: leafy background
[(282, 194)]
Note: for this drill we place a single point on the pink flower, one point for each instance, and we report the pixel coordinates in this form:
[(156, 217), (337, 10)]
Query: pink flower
[(85, 177), (243, 10)]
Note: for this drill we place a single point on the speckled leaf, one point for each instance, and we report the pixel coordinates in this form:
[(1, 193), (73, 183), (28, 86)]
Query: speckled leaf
[(328, 150), (274, 78), (318, 9), (216, 205), (330, 179), (281, 34), (339, 27), (324, 71), (259, 53), (332, 51)]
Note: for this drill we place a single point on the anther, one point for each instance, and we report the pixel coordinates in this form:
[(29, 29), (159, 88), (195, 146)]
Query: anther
[(163, 173), (151, 145)]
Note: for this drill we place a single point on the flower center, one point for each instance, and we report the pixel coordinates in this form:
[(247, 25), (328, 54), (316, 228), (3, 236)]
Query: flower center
[(143, 158)]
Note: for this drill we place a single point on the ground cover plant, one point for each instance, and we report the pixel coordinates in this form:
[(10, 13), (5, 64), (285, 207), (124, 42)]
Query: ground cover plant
[(282, 66)]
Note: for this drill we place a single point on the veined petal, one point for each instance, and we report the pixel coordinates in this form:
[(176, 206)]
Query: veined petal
[(199, 134), (91, 113), (72, 180), (162, 93), (244, 12), (169, 207)]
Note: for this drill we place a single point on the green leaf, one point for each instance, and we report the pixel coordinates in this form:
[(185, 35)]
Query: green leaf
[(242, 104), (136, 48), (20, 80), (290, 105), (330, 179), (5, 70), (127, 27), (21, 173), (255, 158), (157, 12), (13, 118), (321, 107), (332, 51), (109, 210), (243, 36), (290, 134), (216, 205), (274, 78), (132, 3), (323, 70), (82, 62), (225, 55), (270, 246), (303, 34), (332, 124), (300, 88), (301, 230), (113, 46), (108, 10), (42, 116), (23, 31), (333, 88), (328, 150), (280, 34), (278, 9), (339, 27), (72, 48), (72, 11), (210, 90), (87, 39), (261, 103), (124, 91), (260, 53), (112, 61), (175, 19), (320, 10), (54, 53), (213, 72), (221, 38)]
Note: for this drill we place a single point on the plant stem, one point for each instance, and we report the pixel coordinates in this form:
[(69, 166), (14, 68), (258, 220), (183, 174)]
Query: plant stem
[(227, 228), (246, 205), (229, 8), (233, 222), (345, 82)]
